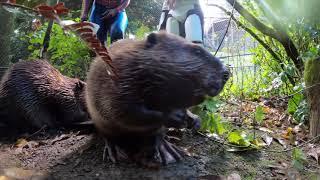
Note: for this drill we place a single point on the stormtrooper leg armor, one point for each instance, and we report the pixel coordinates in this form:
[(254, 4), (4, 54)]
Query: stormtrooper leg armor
[(173, 26), (185, 20), (193, 29)]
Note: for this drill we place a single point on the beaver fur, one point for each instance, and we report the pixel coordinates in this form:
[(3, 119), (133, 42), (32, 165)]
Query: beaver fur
[(34, 94), (157, 79)]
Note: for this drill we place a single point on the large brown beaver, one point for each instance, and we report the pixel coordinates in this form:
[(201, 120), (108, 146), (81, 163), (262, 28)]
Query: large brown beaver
[(158, 79), (34, 94)]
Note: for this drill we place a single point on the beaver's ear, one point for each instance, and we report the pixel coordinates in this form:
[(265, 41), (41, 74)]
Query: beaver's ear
[(152, 39)]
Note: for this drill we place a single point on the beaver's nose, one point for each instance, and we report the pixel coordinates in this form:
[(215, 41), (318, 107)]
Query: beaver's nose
[(226, 75)]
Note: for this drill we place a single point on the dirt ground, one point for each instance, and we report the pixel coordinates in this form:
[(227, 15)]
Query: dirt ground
[(78, 155)]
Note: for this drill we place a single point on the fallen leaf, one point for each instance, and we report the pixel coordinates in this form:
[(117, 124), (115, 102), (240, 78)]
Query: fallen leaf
[(271, 166), (264, 129), (278, 168), (281, 141), (60, 138), (5, 178), (258, 143), (314, 152), (267, 139), (18, 173), (246, 121), (280, 171), (288, 133), (215, 136), (298, 128), (21, 143)]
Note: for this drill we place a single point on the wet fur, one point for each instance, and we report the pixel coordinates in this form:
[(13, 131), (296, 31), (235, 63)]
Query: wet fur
[(156, 77), (34, 94)]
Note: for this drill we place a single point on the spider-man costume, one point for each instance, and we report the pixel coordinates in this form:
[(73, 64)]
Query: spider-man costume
[(115, 25)]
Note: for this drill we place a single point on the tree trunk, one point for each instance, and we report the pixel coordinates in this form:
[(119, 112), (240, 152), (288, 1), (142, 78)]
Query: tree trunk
[(6, 28), (312, 81)]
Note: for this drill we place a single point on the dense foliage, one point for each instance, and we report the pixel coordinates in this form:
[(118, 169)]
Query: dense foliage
[(67, 52)]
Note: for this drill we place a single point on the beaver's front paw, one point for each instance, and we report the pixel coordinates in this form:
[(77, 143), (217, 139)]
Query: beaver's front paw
[(176, 119), (193, 121)]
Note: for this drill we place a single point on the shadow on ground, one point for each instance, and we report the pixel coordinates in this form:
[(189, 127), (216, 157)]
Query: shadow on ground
[(74, 155)]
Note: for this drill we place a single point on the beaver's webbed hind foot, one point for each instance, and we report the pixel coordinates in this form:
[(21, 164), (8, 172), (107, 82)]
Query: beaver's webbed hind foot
[(160, 153), (113, 152), (170, 153), (149, 151)]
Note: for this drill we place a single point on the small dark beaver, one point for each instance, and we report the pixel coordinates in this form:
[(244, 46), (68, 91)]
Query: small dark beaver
[(34, 94), (158, 79)]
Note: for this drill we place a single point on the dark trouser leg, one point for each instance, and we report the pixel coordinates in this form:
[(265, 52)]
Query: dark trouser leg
[(95, 17), (119, 26)]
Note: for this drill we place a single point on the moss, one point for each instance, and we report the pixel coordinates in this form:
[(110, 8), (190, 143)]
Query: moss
[(312, 81), (312, 71)]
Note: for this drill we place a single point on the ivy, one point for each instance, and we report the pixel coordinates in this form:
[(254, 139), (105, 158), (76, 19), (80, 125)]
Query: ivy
[(67, 52)]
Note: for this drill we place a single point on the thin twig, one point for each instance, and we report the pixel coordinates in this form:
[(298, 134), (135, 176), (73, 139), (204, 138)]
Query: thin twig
[(19, 6), (42, 128)]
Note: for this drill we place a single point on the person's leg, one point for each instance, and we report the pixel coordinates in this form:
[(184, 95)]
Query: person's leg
[(95, 17), (119, 26), (173, 26), (163, 20), (194, 25), (193, 29)]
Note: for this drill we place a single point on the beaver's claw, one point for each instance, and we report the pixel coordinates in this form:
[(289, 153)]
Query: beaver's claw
[(156, 152), (163, 152), (169, 152), (113, 152)]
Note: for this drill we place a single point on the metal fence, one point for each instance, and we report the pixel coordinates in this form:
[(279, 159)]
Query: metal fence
[(235, 49)]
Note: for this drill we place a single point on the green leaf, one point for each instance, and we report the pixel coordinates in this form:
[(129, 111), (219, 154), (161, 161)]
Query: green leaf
[(212, 105), (294, 102), (216, 124), (298, 158), (259, 115), (283, 77), (290, 69), (238, 138), (297, 164), (234, 137)]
